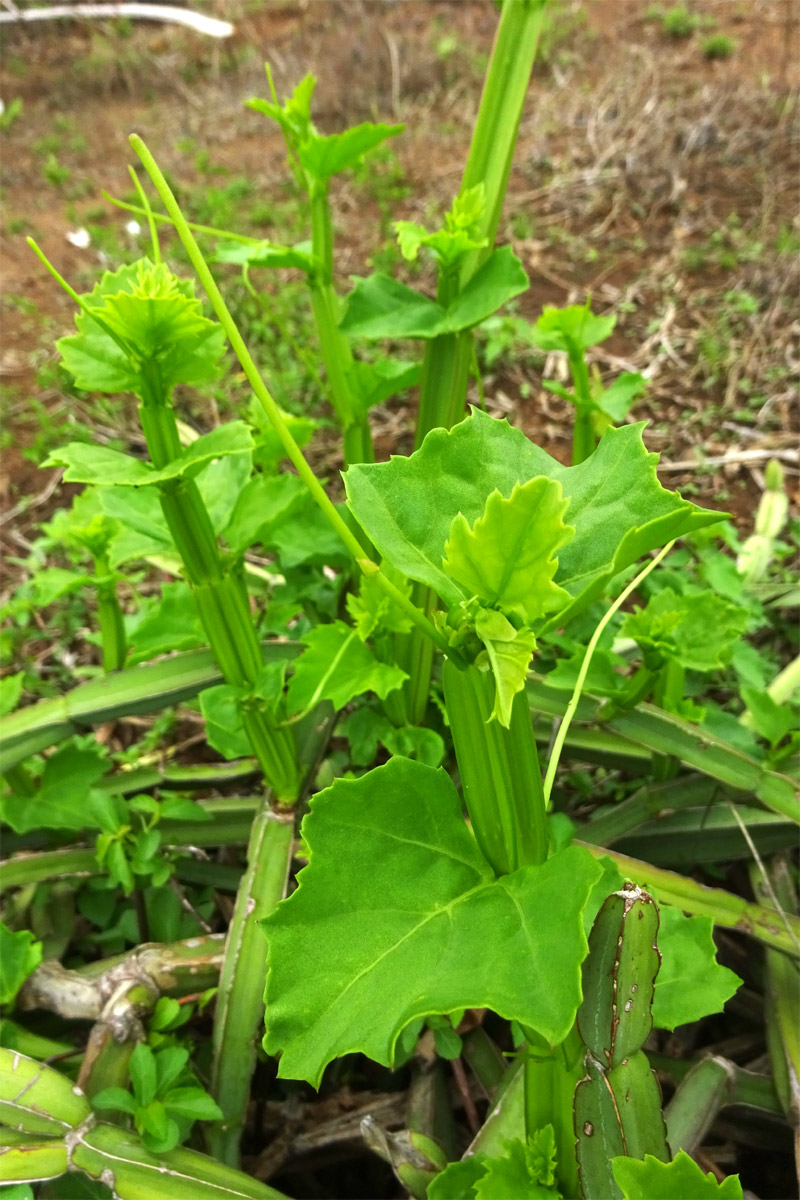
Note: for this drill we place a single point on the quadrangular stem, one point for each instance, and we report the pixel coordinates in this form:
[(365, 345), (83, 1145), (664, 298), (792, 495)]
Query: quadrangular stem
[(240, 1000), (334, 346), (221, 596)]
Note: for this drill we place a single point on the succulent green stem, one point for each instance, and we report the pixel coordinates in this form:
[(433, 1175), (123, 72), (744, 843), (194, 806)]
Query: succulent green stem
[(334, 346), (499, 769), (109, 617), (781, 930), (240, 1000)]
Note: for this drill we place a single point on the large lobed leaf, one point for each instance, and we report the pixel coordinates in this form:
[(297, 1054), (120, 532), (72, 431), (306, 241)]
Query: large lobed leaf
[(399, 916), (618, 508)]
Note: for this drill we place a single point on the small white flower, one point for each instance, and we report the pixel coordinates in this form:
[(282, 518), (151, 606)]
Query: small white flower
[(133, 228), (79, 238)]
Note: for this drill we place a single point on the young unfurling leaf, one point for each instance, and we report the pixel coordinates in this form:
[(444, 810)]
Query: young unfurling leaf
[(142, 318), (508, 557)]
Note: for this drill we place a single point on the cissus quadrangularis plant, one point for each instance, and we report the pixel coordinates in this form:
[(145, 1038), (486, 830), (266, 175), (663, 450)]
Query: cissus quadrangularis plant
[(406, 911)]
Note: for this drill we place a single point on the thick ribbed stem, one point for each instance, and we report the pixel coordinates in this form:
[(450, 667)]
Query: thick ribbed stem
[(499, 769)]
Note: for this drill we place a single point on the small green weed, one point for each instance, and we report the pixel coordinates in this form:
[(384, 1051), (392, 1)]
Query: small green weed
[(718, 46), (10, 114), (679, 22), (54, 173)]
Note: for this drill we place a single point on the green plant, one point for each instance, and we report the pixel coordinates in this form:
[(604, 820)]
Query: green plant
[(450, 598), (54, 173), (573, 330), (56, 1133), (679, 21), (10, 114), (718, 46), (165, 1100)]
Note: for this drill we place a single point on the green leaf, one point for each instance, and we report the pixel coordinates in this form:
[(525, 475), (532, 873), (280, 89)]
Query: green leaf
[(508, 557), (179, 808), (773, 721), (572, 328), (698, 629), (114, 1098), (337, 666), (141, 528), (499, 279), (651, 1179), (460, 234), (457, 1181), (380, 307), (10, 692), (166, 1014), (447, 1042), (61, 801), (526, 1169), (432, 932), (193, 1103), (53, 582), (101, 465), (447, 247), (414, 741), (327, 156), (372, 383), (509, 651), (142, 314), (262, 503), (619, 510), (108, 811), (270, 684), (616, 400), (266, 254), (165, 623), (116, 863), (152, 1119), (170, 1062), (365, 728), (220, 483), (83, 526), (153, 1142), (143, 1074), (691, 983), (20, 955), (270, 450), (294, 115), (302, 535), (371, 609), (221, 708)]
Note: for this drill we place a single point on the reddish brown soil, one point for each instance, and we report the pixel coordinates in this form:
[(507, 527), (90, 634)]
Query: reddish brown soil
[(633, 150)]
